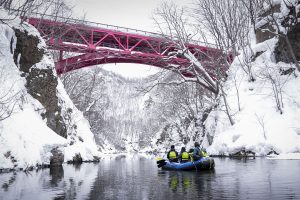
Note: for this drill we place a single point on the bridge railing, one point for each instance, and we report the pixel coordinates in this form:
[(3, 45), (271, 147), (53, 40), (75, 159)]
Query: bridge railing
[(88, 23), (75, 21)]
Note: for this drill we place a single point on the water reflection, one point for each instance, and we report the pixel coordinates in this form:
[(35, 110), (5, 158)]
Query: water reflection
[(183, 184), (173, 182), (67, 182), (181, 181), (56, 174), (136, 177), (11, 180)]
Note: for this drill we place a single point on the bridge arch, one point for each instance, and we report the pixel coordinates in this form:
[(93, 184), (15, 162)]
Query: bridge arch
[(96, 44)]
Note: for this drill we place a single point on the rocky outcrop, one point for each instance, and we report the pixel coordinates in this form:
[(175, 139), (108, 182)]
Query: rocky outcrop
[(242, 154), (292, 24), (266, 30), (57, 157), (57, 174), (41, 82), (77, 159), (282, 52), (27, 52)]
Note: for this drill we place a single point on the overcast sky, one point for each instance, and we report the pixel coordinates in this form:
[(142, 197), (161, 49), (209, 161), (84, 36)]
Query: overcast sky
[(135, 14)]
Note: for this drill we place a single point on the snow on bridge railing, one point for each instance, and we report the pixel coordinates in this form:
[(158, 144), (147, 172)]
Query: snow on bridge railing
[(104, 26)]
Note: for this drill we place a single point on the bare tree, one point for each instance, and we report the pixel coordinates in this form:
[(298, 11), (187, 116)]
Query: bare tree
[(225, 20), (86, 89), (172, 23), (179, 107), (262, 123), (247, 59), (9, 97), (7, 104), (237, 83), (253, 8), (25, 8), (228, 23), (277, 81)]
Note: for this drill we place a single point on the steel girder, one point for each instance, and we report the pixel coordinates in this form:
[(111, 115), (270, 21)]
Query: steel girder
[(101, 44)]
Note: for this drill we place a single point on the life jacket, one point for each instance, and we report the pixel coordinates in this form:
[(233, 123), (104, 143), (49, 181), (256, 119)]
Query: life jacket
[(172, 155), (185, 156)]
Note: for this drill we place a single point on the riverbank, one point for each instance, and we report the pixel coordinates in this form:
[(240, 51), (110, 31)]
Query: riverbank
[(288, 156)]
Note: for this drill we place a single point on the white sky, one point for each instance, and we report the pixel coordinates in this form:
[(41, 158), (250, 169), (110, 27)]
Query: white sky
[(135, 14)]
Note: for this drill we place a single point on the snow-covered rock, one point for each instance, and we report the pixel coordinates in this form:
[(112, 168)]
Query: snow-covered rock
[(25, 138)]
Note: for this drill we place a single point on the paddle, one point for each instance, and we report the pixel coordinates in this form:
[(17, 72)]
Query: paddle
[(160, 162)]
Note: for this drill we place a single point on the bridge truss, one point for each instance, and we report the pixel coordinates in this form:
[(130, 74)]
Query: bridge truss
[(95, 43)]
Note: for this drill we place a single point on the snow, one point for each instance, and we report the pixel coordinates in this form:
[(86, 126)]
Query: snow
[(278, 16), (259, 127), (30, 144), (25, 142), (286, 156), (88, 148), (25, 139)]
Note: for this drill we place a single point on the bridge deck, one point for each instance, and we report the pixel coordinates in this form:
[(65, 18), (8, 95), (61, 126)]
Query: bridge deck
[(101, 43)]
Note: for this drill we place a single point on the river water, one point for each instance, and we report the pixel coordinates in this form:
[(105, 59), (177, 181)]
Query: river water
[(136, 177)]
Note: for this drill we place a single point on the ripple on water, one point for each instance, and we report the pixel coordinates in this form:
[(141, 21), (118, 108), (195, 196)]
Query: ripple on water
[(135, 177)]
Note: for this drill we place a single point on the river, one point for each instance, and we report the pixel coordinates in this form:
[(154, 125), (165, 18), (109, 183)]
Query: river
[(137, 177)]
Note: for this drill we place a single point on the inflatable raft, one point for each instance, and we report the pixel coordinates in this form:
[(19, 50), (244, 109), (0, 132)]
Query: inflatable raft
[(205, 163)]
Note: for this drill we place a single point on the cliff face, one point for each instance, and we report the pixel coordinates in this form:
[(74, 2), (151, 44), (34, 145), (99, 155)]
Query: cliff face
[(282, 53), (287, 17), (41, 83), (42, 125)]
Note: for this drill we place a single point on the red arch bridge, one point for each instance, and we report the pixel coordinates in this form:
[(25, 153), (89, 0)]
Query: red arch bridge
[(95, 43)]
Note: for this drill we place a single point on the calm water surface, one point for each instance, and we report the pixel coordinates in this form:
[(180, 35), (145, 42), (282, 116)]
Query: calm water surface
[(135, 177)]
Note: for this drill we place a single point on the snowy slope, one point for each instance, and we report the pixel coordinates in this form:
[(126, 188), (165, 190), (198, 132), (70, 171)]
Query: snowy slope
[(25, 139), (264, 123), (259, 126), (19, 138), (123, 115)]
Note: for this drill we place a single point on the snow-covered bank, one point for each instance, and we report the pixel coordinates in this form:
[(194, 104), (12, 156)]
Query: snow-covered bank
[(286, 156), (269, 115), (25, 139)]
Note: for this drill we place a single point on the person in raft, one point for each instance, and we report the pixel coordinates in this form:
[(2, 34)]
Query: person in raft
[(197, 154), (172, 154), (184, 156)]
